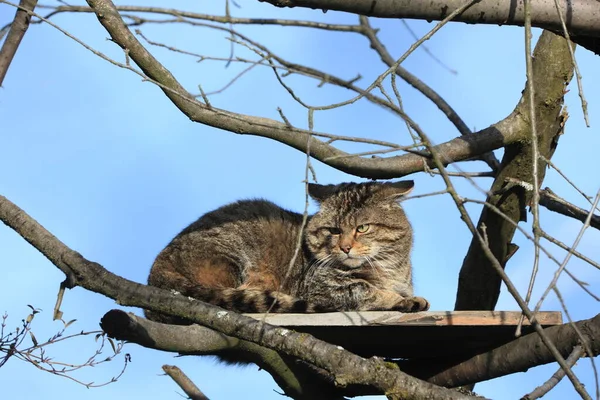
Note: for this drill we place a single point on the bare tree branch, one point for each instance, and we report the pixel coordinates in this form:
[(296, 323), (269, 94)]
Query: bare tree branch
[(15, 35), (582, 17)]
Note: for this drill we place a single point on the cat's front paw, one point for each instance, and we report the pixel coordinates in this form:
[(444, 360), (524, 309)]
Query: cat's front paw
[(411, 304)]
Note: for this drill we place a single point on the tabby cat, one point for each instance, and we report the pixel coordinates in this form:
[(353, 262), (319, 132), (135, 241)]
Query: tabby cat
[(354, 255)]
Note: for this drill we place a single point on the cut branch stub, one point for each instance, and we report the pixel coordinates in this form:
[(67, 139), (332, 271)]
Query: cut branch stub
[(479, 284)]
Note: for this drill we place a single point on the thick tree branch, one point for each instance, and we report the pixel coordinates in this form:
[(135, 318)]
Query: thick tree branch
[(517, 356), (15, 35), (582, 16), (479, 283), (347, 368)]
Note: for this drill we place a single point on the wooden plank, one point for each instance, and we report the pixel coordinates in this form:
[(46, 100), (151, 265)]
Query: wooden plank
[(432, 334), (395, 318)]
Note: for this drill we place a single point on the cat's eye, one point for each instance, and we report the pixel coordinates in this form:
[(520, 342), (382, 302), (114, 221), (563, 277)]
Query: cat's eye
[(334, 231), (362, 228)]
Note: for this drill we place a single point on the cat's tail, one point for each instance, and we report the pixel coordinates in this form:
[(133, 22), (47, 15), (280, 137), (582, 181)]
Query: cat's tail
[(253, 300)]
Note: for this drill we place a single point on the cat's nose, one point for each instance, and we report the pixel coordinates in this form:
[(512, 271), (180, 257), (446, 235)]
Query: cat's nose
[(346, 248)]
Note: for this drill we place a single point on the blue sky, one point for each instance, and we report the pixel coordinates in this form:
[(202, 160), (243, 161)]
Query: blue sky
[(108, 165)]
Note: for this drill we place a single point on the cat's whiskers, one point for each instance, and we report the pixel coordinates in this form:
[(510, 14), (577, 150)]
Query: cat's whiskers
[(375, 269), (320, 262), (386, 261), (324, 262)]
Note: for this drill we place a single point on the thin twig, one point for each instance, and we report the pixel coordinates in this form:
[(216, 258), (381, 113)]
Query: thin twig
[(582, 339), (570, 250), (308, 169), (584, 102), (547, 253), (483, 174), (371, 153), (569, 181), (426, 49), (556, 377), (427, 91), (408, 52), (569, 254), (535, 200), (180, 15)]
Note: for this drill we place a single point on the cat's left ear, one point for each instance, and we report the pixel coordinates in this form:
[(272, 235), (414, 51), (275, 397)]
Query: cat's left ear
[(321, 192), (395, 190)]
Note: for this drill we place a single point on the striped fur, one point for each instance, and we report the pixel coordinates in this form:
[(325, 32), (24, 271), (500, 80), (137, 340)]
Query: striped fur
[(355, 255)]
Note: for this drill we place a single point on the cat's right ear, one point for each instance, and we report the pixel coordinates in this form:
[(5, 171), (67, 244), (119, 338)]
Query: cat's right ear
[(321, 192)]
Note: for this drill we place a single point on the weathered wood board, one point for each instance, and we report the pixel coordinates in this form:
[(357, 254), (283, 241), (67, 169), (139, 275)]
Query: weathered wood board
[(425, 334)]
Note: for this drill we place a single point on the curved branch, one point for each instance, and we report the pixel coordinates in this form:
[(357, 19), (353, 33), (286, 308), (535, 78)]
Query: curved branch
[(556, 377)]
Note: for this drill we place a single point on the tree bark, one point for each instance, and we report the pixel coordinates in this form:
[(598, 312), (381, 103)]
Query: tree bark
[(479, 284)]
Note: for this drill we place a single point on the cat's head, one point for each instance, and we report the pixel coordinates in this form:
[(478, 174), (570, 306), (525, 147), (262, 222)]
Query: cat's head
[(358, 223)]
